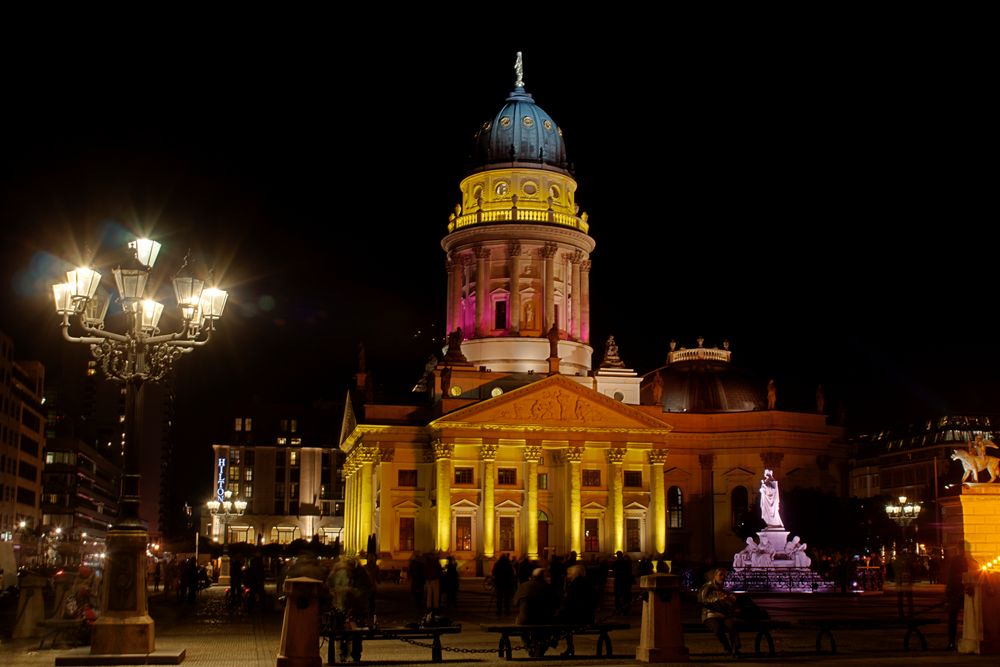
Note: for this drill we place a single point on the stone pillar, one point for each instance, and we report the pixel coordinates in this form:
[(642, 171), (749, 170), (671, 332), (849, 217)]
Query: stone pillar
[(706, 461), (616, 457), (575, 518), (348, 507), (488, 452), (514, 268), (299, 646), (657, 457), (548, 253), (981, 617), (575, 259), (30, 606), (367, 505), (585, 301), (124, 625), (452, 268), (442, 461), (482, 291), (661, 638), (531, 455)]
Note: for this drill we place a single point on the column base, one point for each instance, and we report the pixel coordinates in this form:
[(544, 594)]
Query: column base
[(128, 635)]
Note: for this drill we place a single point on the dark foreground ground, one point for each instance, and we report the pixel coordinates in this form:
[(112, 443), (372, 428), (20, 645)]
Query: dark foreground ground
[(213, 636)]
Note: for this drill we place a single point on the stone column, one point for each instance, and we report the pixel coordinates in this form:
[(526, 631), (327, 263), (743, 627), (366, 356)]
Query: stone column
[(531, 455), (575, 518), (548, 253), (442, 460), (585, 301), (482, 293), (657, 457), (575, 259), (367, 505), (514, 268), (616, 456), (488, 453), (454, 294), (706, 461)]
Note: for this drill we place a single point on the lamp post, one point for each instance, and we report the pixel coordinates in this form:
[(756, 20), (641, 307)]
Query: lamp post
[(225, 510), (903, 513), (138, 355)]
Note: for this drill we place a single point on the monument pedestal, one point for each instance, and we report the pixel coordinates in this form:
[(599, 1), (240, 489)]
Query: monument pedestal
[(661, 638), (981, 619)]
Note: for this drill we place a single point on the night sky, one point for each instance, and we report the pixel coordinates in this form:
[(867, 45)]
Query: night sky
[(818, 201)]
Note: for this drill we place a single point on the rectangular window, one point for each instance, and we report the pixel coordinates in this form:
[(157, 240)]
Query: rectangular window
[(295, 441), (293, 458), (234, 455), (279, 490), (543, 481), (633, 478), (406, 533), (463, 475), (293, 507), (248, 474), (507, 476), (27, 471), (633, 535), (463, 533), (500, 315), (235, 488), (247, 423), (591, 477), (279, 506), (293, 491), (238, 424), (234, 472), (406, 478), (591, 538), (675, 507), (506, 540), (294, 425), (282, 440), (248, 491)]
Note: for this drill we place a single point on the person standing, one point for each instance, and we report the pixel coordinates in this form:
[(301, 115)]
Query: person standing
[(954, 593), (156, 577)]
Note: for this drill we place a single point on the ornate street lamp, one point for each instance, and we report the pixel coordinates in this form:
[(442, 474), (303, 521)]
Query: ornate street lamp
[(903, 513), (225, 511), (137, 355)]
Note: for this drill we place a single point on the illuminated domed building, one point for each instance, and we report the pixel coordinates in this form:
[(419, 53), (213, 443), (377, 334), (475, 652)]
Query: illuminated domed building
[(521, 445)]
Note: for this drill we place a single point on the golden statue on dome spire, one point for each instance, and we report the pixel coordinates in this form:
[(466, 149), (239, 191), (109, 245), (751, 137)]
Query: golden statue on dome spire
[(519, 71)]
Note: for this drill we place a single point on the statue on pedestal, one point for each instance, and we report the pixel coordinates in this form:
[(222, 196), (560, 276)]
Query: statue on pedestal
[(770, 501)]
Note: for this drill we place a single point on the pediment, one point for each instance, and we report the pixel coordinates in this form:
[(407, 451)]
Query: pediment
[(406, 504), (464, 504), (677, 473), (594, 506), (555, 402), (508, 505), (635, 507), (739, 473)]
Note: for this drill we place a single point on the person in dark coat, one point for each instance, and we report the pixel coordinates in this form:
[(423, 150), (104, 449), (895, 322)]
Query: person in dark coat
[(954, 592), (535, 606), (622, 569), (578, 606), (504, 581)]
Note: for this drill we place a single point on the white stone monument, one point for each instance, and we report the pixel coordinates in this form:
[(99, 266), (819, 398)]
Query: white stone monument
[(772, 548)]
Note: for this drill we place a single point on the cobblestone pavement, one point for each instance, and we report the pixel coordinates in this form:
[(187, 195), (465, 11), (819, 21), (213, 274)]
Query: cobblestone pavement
[(212, 635)]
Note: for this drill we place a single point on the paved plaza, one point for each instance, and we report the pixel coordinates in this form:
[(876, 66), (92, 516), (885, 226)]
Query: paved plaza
[(211, 635)]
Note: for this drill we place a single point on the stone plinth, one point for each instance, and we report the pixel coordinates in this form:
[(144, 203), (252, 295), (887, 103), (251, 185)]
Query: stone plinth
[(124, 625), (299, 645), (980, 514), (30, 606), (661, 638)]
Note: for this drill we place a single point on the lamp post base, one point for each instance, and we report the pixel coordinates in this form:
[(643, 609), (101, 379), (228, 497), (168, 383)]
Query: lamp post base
[(125, 625), (224, 570)]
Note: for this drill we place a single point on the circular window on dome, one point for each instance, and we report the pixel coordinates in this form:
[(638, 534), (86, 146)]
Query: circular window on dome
[(554, 192), (487, 125), (455, 390), (529, 188), (548, 125), (528, 121), (496, 392), (502, 188), (505, 121)]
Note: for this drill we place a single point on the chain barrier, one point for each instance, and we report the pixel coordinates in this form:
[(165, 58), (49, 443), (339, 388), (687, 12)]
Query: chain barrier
[(456, 649)]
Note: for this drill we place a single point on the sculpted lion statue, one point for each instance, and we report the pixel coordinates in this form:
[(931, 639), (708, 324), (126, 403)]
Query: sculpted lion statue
[(974, 464)]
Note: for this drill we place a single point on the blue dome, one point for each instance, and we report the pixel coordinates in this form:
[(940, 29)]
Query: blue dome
[(520, 132)]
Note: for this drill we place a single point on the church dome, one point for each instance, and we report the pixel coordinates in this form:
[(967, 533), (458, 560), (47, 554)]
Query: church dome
[(703, 380), (521, 132)]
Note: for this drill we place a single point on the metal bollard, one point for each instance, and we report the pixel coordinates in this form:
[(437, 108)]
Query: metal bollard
[(300, 629), (661, 638)]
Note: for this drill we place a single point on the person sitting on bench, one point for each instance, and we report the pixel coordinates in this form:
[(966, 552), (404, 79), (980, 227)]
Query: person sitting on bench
[(535, 605), (578, 607), (718, 610)]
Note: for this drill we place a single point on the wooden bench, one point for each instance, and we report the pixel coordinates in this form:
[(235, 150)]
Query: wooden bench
[(762, 628), (70, 629), (826, 626), (358, 635), (504, 648)]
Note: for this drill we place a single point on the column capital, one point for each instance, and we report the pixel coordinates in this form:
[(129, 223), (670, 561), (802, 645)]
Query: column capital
[(488, 452), (575, 257), (617, 454), (532, 453), (442, 450), (658, 456), (386, 454), (585, 266), (706, 461), (483, 253), (548, 251), (366, 454), (466, 259), (573, 453), (514, 249)]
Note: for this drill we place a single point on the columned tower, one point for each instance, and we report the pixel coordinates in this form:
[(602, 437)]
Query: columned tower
[(518, 255)]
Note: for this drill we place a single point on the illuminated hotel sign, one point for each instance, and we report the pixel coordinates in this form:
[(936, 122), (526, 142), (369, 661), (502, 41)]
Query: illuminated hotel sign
[(220, 488)]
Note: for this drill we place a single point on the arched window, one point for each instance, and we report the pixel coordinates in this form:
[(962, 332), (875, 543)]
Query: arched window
[(675, 507), (739, 507)]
